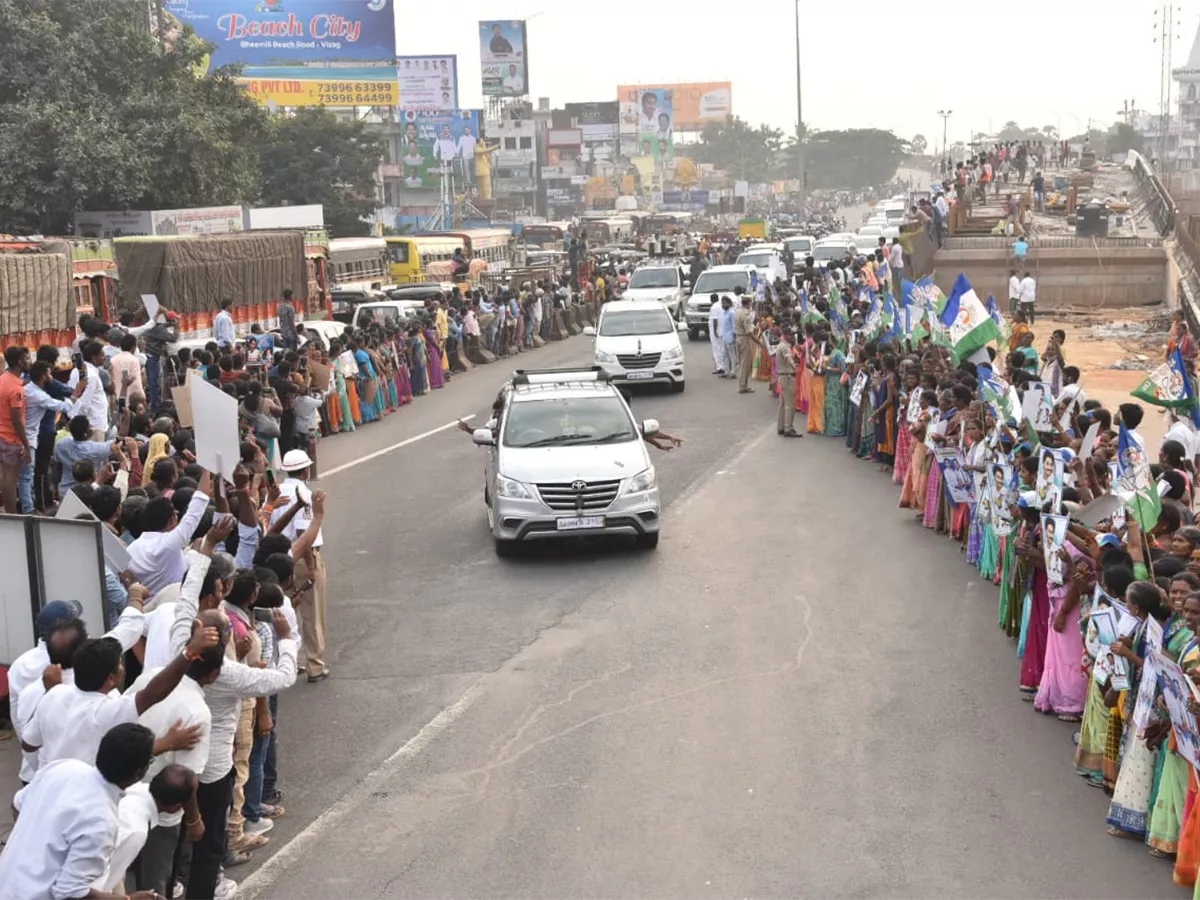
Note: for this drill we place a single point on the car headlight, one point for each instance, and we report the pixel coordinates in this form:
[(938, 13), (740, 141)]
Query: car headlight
[(675, 354), (647, 480), (514, 490), (603, 356)]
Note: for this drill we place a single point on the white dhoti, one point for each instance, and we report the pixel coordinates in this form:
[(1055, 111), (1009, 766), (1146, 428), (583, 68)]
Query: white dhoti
[(718, 347)]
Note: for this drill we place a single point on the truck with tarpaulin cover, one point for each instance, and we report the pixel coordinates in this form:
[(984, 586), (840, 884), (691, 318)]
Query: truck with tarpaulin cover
[(37, 301), (192, 274)]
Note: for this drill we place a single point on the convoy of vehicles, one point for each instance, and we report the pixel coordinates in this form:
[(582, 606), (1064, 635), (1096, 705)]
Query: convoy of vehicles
[(567, 459), (767, 259), (637, 341)]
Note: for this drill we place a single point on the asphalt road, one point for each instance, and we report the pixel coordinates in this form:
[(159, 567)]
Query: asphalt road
[(800, 693)]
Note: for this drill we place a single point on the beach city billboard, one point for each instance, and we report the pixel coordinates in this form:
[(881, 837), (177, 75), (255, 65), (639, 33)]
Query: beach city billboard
[(432, 143), (428, 82), (298, 52), (504, 59), (695, 104)]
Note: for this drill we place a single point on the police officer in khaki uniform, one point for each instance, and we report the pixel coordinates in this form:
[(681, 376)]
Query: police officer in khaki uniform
[(743, 326), (785, 365)]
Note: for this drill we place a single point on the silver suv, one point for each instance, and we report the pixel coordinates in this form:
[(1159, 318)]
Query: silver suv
[(566, 459)]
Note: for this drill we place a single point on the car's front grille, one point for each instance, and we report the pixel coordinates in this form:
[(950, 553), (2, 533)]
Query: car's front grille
[(579, 496), (638, 360)]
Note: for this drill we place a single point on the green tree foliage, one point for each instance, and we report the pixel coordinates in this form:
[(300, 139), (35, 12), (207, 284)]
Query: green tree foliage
[(1123, 138), (96, 114), (918, 144), (860, 157), (746, 153), (315, 157)]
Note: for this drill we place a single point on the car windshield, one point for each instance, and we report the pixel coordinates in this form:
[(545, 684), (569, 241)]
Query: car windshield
[(655, 278), (800, 245), (622, 323), (720, 282), (567, 421), (830, 251), (761, 260)]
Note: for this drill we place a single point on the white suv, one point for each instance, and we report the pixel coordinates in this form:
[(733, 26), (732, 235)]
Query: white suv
[(637, 341), (567, 459), (664, 283)]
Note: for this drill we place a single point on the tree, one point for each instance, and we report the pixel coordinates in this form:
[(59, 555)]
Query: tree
[(97, 114), (746, 153), (315, 157), (918, 144), (860, 157), (1050, 132)]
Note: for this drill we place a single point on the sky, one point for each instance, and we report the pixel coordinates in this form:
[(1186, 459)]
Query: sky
[(864, 64)]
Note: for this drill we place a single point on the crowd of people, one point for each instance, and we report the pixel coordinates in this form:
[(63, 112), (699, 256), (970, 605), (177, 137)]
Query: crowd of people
[(1049, 494), (149, 753)]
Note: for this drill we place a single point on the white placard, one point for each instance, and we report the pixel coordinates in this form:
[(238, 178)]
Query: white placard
[(1089, 441), (150, 301), (215, 426), (115, 552)]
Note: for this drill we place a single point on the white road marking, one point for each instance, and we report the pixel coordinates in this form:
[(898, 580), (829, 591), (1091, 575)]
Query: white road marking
[(378, 453), (291, 852)]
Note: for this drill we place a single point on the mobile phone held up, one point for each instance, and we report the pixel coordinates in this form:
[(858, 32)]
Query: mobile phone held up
[(262, 615), (77, 361)]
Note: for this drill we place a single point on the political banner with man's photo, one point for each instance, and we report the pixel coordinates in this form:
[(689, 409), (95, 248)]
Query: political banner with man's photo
[(435, 143), (503, 57), (654, 114)]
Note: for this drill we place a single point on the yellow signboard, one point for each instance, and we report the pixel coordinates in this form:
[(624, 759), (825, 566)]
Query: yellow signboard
[(294, 92)]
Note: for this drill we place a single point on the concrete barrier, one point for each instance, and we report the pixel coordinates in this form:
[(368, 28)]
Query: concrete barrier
[(558, 328), (477, 353), (459, 362)]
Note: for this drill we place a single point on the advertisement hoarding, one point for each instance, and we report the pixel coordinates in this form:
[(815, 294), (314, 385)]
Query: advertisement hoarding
[(696, 104), (597, 113), (564, 137), (654, 124), (201, 220), (433, 142), (684, 201), (323, 92), (504, 60), (428, 82), (309, 216), (346, 49)]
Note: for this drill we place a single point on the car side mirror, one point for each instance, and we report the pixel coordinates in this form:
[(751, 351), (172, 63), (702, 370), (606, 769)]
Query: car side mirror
[(649, 426), (589, 331), (483, 437)]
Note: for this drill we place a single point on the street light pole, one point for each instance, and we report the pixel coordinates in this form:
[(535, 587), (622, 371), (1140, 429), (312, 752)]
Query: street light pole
[(799, 114), (945, 114)]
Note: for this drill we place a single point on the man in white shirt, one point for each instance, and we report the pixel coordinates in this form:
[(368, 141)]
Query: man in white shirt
[(1014, 292), (140, 812), (71, 719), (896, 264), (64, 839), (1182, 430), (445, 147), (60, 633), (93, 402), (714, 338), (514, 84), (156, 556), (1028, 296), (223, 332), (298, 464), (186, 706), (648, 113), (941, 211), (224, 697), (466, 144)]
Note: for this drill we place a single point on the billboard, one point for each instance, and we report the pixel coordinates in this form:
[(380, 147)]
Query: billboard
[(298, 52), (435, 142), (130, 223), (428, 82), (654, 124), (600, 113), (696, 104), (504, 60)]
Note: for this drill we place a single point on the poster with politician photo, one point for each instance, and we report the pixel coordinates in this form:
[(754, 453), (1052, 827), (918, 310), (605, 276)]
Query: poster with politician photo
[(433, 144), (505, 63), (656, 124), (428, 82)]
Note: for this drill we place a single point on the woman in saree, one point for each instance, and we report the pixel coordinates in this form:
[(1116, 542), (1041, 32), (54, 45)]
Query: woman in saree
[(763, 369), (367, 381), (417, 362), (866, 411), (1064, 686), (885, 402), (1187, 859), (437, 377), (1128, 813), (803, 373), (945, 414), (912, 493), (1093, 730), (816, 383), (382, 406), (1035, 623), (853, 413), (835, 392), (1170, 792), (981, 510), (904, 445)]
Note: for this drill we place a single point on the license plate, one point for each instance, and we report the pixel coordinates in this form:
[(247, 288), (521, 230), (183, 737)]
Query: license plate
[(575, 523), (638, 376)]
